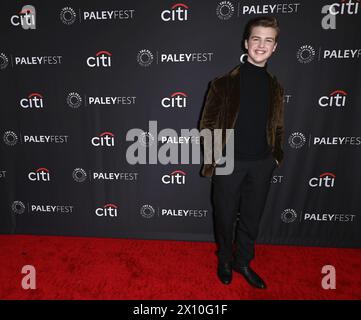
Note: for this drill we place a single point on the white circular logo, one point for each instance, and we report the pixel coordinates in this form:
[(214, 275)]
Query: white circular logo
[(18, 207), (297, 140), (147, 211), (305, 54), (289, 215), (79, 175), (67, 16), (225, 10), (146, 139), (4, 61), (10, 138), (243, 57), (145, 58), (74, 100)]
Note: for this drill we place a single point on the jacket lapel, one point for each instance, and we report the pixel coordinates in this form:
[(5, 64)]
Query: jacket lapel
[(234, 103)]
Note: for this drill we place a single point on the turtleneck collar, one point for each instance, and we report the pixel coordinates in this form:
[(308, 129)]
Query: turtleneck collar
[(253, 67)]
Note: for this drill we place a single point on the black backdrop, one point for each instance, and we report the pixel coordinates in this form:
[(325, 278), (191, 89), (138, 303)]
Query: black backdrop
[(55, 181)]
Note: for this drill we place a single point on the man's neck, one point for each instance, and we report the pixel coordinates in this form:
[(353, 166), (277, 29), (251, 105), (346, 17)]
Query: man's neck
[(256, 64)]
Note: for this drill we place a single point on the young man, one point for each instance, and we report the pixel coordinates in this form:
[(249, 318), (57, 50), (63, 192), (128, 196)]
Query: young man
[(249, 100)]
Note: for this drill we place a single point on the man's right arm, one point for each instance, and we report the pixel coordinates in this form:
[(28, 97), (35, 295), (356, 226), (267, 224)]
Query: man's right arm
[(211, 109), (210, 119)]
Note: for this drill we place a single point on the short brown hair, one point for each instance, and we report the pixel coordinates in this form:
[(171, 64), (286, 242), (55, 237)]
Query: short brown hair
[(263, 21)]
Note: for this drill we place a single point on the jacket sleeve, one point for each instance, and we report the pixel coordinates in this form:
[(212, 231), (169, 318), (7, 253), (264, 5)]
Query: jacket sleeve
[(279, 139), (210, 119), (211, 110)]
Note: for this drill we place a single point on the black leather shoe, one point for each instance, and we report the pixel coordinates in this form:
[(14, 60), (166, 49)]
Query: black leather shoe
[(252, 277), (224, 272)]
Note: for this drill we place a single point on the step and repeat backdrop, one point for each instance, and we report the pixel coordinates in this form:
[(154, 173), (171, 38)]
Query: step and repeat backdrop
[(78, 79)]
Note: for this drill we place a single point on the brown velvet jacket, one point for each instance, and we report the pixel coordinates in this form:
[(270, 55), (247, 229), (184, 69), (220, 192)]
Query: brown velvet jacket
[(222, 106)]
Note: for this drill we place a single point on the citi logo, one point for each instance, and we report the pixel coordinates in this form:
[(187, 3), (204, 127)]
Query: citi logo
[(105, 139), (178, 12), (34, 100), (101, 59), (177, 99), (176, 177), (4, 61), (326, 180), (26, 18), (109, 210), (336, 98), (41, 174), (344, 7)]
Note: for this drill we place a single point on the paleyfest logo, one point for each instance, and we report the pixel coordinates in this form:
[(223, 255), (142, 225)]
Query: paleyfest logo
[(79, 175), (288, 215), (74, 100), (225, 10), (10, 138), (67, 16), (4, 61), (147, 211), (18, 207), (145, 57), (305, 54), (297, 140)]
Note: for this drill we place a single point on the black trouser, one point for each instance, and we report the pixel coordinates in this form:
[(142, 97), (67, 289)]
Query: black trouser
[(244, 191)]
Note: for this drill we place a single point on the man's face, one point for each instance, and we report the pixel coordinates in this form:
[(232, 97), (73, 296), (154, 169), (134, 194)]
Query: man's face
[(260, 45)]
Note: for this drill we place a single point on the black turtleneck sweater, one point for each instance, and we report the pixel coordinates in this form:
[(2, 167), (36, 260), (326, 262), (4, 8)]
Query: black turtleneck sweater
[(250, 142)]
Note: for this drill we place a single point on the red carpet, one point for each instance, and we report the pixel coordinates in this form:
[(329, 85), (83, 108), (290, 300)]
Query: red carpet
[(94, 268)]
